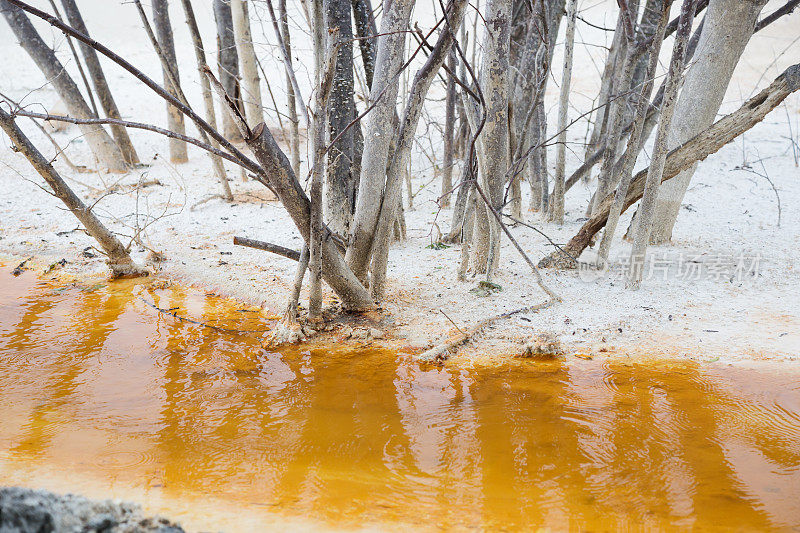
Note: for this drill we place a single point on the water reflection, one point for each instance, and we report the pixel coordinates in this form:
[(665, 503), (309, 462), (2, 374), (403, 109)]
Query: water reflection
[(93, 378)]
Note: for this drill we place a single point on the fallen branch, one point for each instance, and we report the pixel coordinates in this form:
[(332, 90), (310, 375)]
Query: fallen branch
[(439, 353), (277, 249), (684, 156)]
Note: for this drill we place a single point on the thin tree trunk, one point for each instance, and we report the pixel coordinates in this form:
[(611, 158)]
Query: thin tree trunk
[(228, 64), (635, 139), (656, 170), (102, 145), (208, 100), (449, 126), (728, 27), (556, 204), (626, 60), (76, 57), (247, 57), (294, 127), (100, 84), (401, 157), (365, 26), (379, 134), (175, 122), (686, 155), (339, 179), (494, 79), (323, 84), (119, 261)]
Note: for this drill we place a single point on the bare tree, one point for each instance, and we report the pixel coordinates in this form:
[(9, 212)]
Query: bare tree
[(494, 135), (655, 37), (175, 122), (102, 145), (294, 127), (727, 29), (379, 134), (208, 100), (449, 126), (339, 178), (656, 171), (684, 156), (119, 260), (100, 84), (556, 205), (247, 59), (227, 63)]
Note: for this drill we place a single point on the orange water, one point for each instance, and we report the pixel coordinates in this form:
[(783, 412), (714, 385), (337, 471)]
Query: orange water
[(94, 381)]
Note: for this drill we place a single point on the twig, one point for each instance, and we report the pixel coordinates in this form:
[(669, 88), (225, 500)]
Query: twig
[(173, 313)]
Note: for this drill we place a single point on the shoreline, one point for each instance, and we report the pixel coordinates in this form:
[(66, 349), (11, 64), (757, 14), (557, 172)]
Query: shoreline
[(499, 344)]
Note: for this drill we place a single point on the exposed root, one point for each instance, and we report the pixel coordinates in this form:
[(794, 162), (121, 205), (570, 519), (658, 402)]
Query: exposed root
[(285, 332), (126, 268)]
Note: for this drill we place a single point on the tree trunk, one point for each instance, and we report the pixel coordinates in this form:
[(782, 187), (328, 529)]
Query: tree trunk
[(556, 207), (618, 102), (685, 156), (656, 170), (100, 84), (175, 122), (728, 27), (247, 57), (449, 127), (341, 109), (494, 136), (119, 261), (365, 26), (102, 145), (635, 139), (208, 100), (379, 134), (290, 94), (228, 64), (278, 171), (401, 157), (322, 91)]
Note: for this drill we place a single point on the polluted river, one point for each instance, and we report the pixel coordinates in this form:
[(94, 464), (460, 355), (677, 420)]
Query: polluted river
[(103, 394)]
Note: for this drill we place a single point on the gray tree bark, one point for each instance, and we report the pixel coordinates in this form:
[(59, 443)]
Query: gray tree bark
[(175, 121), (728, 26), (449, 130), (291, 97), (247, 58), (656, 171), (339, 179), (119, 260), (208, 100), (228, 64), (378, 135), (686, 155), (100, 84), (102, 145), (493, 166), (642, 100), (556, 207), (401, 158)]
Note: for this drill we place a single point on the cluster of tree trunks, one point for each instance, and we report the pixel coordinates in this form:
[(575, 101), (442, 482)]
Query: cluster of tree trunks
[(494, 120)]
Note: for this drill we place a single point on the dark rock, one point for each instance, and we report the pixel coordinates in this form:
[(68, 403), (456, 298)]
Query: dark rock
[(39, 511)]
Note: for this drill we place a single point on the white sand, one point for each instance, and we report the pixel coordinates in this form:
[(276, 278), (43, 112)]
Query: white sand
[(729, 214)]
